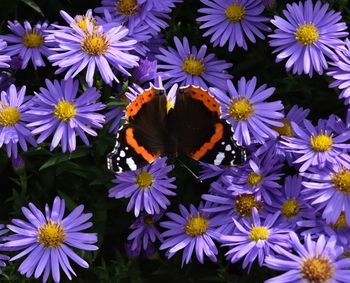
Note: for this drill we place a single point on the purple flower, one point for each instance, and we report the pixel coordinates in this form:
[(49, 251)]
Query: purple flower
[(210, 171), (340, 72), (307, 36), (317, 146), (13, 121), (4, 59), (251, 118), (2, 257), (79, 49), (115, 114), (146, 187), (191, 231), (329, 190), (46, 240), (318, 261), (146, 71), (187, 66), (17, 163), (255, 240), (6, 79), (16, 63), (29, 42), (57, 110), (233, 21)]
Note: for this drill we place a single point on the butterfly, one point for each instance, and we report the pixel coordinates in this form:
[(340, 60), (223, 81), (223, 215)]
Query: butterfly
[(192, 127)]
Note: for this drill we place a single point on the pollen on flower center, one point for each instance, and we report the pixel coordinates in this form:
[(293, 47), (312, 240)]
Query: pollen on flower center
[(290, 208), (81, 22), (254, 179), (144, 180), (33, 39), (95, 44), (285, 130), (244, 204), (126, 7), (240, 109), (235, 12), (192, 66), (9, 116), (259, 233), (341, 222), (148, 220), (51, 235), (196, 226), (317, 269), (322, 142), (306, 34), (65, 111), (341, 181)]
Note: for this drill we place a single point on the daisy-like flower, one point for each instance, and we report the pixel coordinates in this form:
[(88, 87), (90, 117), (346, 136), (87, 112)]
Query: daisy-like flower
[(29, 42), (146, 71), (191, 231), (307, 35), (318, 261), (13, 121), (329, 190), (146, 187), (317, 146), (79, 49), (2, 257), (4, 59), (57, 110), (252, 119), (46, 240), (145, 232), (339, 70), (232, 21), (189, 66), (255, 240)]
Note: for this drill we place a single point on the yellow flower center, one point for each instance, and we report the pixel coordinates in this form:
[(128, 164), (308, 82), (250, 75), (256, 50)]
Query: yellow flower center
[(192, 66), (126, 7), (306, 34), (64, 111), (81, 22), (285, 130), (341, 181), (259, 233), (33, 39), (148, 220), (240, 109), (9, 116), (254, 179), (95, 44), (235, 13), (316, 269), (51, 235), (290, 208), (144, 180), (196, 226), (244, 204), (322, 142), (341, 222)]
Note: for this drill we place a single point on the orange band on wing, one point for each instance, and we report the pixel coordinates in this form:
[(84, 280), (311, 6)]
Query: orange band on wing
[(135, 106), (219, 133), (129, 136)]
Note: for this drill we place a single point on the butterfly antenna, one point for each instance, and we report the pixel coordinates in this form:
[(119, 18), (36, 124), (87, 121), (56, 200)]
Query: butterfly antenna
[(189, 170)]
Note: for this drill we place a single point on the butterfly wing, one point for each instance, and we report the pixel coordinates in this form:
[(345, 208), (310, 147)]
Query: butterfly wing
[(141, 139), (202, 134)]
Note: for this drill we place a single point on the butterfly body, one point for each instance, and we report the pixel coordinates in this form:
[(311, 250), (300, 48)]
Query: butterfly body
[(192, 127)]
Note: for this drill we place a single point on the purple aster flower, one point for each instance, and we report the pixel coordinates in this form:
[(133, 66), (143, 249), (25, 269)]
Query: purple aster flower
[(154, 44), (329, 190), (232, 21), (317, 146), (146, 71), (308, 34), (79, 49), (340, 69), (29, 42), (46, 240), (318, 261), (146, 187), (4, 59), (252, 119), (58, 111), (210, 171), (6, 79), (187, 66), (17, 163), (145, 232), (16, 63), (115, 114), (255, 240), (2, 257), (13, 121), (191, 231)]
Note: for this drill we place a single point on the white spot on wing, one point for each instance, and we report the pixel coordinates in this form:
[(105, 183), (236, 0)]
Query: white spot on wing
[(219, 158), (122, 153), (131, 163), (228, 147)]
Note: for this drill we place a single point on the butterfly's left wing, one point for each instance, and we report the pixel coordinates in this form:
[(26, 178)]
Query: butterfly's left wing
[(201, 133)]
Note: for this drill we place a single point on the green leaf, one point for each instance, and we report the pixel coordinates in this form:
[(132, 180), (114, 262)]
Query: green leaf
[(33, 5)]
